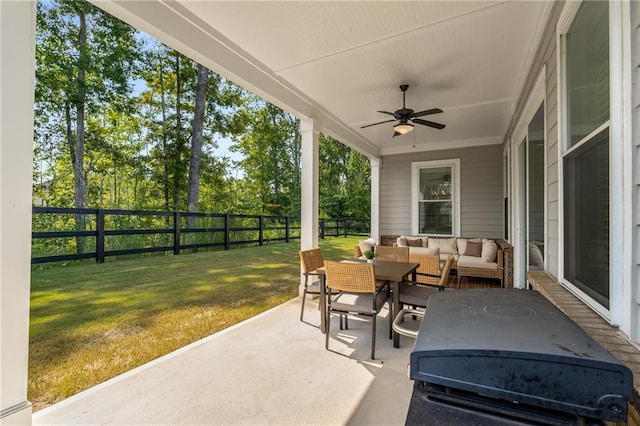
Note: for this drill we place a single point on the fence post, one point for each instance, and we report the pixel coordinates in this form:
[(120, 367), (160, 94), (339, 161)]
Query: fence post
[(286, 230), (322, 229), (261, 231), (100, 236), (176, 232), (346, 224), (227, 231)]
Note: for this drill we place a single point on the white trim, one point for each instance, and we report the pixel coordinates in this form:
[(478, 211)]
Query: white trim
[(536, 97), (454, 163), (621, 169)]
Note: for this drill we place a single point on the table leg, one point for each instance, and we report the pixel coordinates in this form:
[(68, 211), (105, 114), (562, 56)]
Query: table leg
[(323, 304), (395, 308)]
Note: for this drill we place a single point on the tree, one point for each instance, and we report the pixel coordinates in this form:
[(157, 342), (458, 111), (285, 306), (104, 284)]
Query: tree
[(271, 150), (85, 59)]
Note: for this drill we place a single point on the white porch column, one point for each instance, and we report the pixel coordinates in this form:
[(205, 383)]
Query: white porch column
[(17, 53), (310, 187), (375, 199)]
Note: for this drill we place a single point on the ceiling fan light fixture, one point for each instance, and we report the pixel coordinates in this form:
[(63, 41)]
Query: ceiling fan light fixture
[(403, 128)]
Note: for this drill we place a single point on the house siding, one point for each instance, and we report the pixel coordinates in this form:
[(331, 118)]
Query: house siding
[(480, 190)]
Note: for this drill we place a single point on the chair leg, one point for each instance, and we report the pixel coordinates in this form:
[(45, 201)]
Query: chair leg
[(459, 281), (390, 320), (304, 296), (326, 335), (373, 337)]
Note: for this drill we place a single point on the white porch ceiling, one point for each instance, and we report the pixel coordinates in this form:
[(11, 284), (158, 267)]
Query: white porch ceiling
[(340, 62)]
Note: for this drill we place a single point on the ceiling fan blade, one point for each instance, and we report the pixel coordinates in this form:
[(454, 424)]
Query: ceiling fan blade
[(428, 123), (426, 112), (390, 113), (381, 122)]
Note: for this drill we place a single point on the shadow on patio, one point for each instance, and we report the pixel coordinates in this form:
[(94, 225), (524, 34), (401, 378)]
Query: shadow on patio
[(271, 369)]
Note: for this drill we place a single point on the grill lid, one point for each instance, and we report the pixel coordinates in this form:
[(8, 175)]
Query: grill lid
[(517, 346)]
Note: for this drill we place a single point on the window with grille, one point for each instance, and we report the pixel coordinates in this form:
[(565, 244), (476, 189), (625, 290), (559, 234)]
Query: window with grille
[(586, 151), (435, 190)]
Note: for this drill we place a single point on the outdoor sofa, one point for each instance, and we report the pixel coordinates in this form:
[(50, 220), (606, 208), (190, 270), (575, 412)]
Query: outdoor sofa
[(473, 257)]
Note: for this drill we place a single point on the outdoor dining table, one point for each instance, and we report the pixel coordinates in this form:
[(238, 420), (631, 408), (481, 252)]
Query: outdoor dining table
[(395, 272)]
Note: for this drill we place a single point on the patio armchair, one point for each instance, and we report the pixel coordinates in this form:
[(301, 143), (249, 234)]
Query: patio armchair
[(416, 294), (358, 294)]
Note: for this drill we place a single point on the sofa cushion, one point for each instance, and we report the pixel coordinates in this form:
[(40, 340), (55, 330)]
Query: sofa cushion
[(445, 256), (475, 262), (535, 255), (425, 251), (366, 245), (446, 245), (489, 250), (472, 249), (462, 243)]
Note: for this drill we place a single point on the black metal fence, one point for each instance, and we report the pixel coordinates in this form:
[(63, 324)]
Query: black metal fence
[(128, 232)]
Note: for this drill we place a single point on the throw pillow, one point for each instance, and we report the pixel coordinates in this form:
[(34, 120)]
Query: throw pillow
[(366, 245), (414, 242), (489, 251), (402, 241), (473, 249), (462, 243), (535, 255)]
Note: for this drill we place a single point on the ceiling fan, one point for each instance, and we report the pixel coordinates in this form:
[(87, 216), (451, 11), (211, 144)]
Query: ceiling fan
[(406, 116)]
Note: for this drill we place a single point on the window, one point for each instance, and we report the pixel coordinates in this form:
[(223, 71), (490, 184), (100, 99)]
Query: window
[(585, 159), (435, 190)]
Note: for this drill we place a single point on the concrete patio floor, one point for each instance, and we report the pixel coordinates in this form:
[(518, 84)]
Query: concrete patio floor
[(271, 369)]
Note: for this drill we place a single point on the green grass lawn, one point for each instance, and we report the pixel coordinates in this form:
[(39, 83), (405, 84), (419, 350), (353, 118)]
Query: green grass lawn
[(92, 322)]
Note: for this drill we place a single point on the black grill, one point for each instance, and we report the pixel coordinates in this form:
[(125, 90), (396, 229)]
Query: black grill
[(499, 356)]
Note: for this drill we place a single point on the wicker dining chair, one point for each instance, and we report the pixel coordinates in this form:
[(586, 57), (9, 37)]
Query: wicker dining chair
[(416, 294), (393, 254), (311, 260), (429, 270), (358, 294)]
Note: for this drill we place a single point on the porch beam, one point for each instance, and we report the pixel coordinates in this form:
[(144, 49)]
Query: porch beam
[(17, 54)]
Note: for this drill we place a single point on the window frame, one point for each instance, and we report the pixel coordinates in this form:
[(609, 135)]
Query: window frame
[(565, 150), (416, 167)]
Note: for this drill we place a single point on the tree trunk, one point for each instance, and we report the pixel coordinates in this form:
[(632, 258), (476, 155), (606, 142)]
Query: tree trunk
[(80, 193), (178, 152), (163, 108), (193, 190)]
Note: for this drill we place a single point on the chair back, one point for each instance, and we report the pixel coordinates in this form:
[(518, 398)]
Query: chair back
[(311, 260), (429, 270), (444, 277), (392, 254), (350, 277)]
